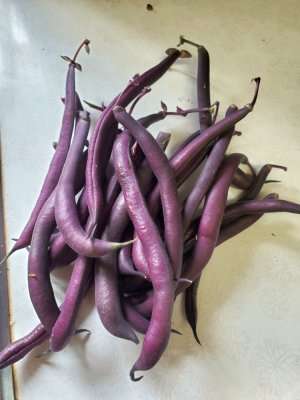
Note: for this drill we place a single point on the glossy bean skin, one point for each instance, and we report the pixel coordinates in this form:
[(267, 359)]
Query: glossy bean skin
[(106, 274), (113, 188), (158, 162), (161, 273), (66, 215)]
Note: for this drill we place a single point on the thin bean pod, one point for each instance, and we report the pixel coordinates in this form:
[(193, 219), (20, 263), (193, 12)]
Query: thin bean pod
[(207, 174), (211, 219), (259, 207)]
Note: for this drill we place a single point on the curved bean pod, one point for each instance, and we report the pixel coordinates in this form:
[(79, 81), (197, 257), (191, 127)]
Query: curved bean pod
[(64, 327), (65, 205), (39, 284), (241, 180), (18, 349), (207, 174), (138, 322), (57, 161), (107, 297), (260, 207), (106, 280), (211, 218), (102, 139), (192, 154), (113, 188), (60, 254), (259, 181), (160, 166), (158, 333)]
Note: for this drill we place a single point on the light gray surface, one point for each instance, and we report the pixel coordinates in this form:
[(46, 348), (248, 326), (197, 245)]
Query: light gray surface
[(249, 297)]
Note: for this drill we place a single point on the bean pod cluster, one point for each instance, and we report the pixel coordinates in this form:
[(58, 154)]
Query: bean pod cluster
[(110, 209)]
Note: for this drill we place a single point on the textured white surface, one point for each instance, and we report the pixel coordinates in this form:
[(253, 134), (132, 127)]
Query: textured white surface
[(249, 297)]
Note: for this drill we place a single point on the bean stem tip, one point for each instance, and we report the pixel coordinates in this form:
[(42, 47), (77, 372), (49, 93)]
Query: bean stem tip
[(132, 377)]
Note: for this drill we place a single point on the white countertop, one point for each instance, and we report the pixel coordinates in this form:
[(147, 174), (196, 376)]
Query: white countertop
[(249, 297)]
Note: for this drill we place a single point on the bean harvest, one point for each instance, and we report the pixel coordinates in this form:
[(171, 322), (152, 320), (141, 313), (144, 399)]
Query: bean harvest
[(110, 209)]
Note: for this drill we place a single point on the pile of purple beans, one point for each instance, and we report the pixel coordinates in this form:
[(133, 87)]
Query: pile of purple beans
[(109, 206)]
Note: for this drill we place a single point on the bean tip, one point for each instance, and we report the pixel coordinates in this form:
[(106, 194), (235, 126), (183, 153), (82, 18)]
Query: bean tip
[(257, 82), (175, 331), (284, 168), (181, 40), (132, 377), (82, 330), (196, 336), (6, 257)]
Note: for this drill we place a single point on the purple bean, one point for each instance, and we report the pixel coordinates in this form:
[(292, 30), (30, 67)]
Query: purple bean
[(60, 254), (113, 188), (192, 231), (106, 279), (226, 233), (203, 83), (207, 174), (145, 307), (125, 263), (106, 129), (107, 297), (139, 258), (241, 223), (190, 304), (57, 161), (40, 287), (64, 327), (260, 207), (18, 349), (118, 220), (59, 157), (138, 322), (65, 206), (259, 181), (211, 218), (241, 180), (159, 164), (193, 153), (158, 333)]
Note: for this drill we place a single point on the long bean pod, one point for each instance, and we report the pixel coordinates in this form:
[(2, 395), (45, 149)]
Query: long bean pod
[(65, 205), (173, 234), (103, 136), (158, 333), (211, 219)]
